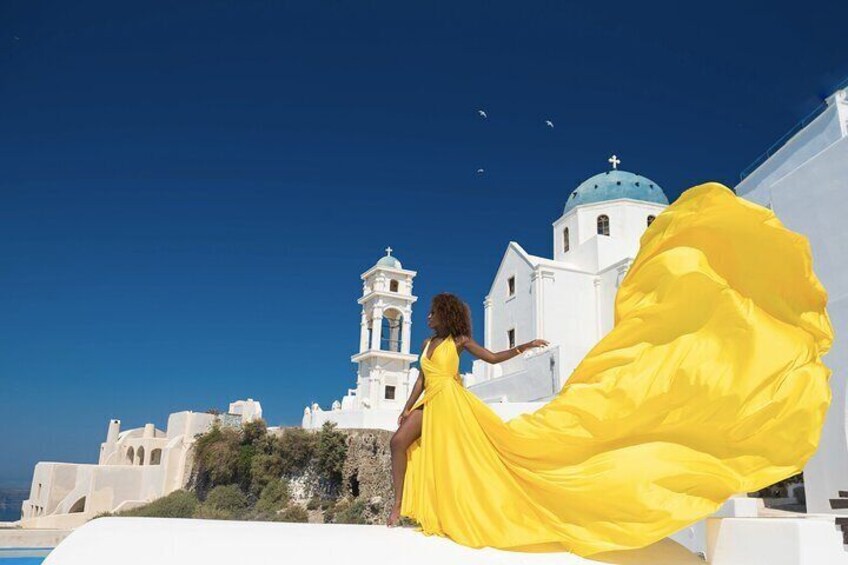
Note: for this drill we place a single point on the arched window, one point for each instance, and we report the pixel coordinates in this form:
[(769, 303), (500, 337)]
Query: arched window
[(565, 245), (393, 285), (156, 456), (651, 220), (603, 224), (139, 455), (130, 455), (390, 333)]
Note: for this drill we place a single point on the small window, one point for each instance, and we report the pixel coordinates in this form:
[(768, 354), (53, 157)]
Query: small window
[(510, 284), (603, 225), (390, 392), (651, 220), (565, 245), (510, 335), (393, 285)]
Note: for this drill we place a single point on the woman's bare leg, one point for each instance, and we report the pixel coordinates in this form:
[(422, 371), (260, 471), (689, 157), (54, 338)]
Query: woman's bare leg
[(409, 431)]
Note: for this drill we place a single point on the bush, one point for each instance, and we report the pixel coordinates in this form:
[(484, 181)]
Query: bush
[(264, 469), (226, 502), (244, 464), (297, 449), (253, 431), (178, 504), (346, 511), (332, 452), (293, 513), (216, 455), (274, 496)]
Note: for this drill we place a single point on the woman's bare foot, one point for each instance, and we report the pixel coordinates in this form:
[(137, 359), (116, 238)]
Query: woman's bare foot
[(393, 517)]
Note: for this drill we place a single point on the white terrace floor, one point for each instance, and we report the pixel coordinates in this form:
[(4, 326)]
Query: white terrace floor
[(142, 541)]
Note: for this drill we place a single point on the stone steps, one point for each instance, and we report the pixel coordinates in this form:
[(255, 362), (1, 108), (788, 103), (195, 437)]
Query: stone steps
[(841, 522)]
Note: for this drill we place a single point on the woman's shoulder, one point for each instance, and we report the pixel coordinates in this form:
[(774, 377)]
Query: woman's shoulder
[(461, 340)]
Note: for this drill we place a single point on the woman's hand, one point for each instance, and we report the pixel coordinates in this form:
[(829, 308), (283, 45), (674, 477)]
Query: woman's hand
[(404, 413), (534, 343)]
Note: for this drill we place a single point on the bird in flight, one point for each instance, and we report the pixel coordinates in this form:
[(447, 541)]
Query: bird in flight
[(482, 114), (549, 123)]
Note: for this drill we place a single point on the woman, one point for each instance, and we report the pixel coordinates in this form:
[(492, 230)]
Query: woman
[(710, 383), (450, 320)]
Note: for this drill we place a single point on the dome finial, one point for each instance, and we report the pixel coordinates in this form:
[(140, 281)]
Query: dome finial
[(389, 251), (614, 161)]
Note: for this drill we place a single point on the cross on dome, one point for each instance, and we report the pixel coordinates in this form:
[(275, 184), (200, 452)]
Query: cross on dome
[(614, 161), (388, 260)]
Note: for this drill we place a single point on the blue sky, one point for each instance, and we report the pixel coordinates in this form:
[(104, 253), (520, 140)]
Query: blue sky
[(191, 190)]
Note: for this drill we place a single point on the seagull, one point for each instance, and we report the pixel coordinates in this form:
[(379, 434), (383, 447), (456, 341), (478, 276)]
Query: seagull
[(549, 123), (482, 114), (480, 171)]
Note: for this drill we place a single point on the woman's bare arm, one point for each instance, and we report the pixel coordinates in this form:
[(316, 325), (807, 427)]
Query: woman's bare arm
[(481, 352)]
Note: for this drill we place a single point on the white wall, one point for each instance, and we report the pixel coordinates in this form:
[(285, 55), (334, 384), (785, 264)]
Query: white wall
[(115, 481), (806, 184)]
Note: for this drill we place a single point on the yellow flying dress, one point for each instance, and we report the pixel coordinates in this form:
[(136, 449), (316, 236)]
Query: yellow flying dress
[(710, 384)]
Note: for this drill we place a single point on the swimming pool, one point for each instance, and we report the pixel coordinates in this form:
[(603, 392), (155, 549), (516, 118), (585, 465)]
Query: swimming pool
[(23, 555)]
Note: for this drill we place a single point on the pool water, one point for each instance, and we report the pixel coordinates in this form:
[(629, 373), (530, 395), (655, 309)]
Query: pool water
[(22, 556)]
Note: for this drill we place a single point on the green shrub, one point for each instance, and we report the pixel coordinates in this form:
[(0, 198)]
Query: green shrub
[(204, 512), (264, 469), (253, 431), (297, 449), (244, 464), (178, 504), (330, 513), (293, 513), (274, 496), (346, 511), (350, 513), (331, 454), (225, 502), (216, 455)]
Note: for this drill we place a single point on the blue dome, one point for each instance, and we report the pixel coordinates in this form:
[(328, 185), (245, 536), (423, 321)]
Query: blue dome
[(615, 184), (389, 261)]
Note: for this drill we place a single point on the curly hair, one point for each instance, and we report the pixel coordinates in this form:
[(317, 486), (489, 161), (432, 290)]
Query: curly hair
[(453, 313)]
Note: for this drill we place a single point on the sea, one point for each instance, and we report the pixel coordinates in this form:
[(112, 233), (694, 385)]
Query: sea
[(11, 498)]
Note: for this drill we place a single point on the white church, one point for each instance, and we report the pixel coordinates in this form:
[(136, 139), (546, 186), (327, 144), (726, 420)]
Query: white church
[(567, 300)]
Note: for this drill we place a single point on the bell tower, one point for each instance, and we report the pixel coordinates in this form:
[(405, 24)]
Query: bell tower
[(383, 377)]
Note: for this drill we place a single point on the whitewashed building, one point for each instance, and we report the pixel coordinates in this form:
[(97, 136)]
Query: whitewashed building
[(566, 299), (135, 466), (804, 179)]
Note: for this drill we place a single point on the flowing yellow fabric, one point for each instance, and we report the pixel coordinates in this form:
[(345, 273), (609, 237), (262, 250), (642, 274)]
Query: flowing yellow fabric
[(710, 384)]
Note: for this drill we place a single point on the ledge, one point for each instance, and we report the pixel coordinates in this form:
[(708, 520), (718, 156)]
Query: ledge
[(137, 541)]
